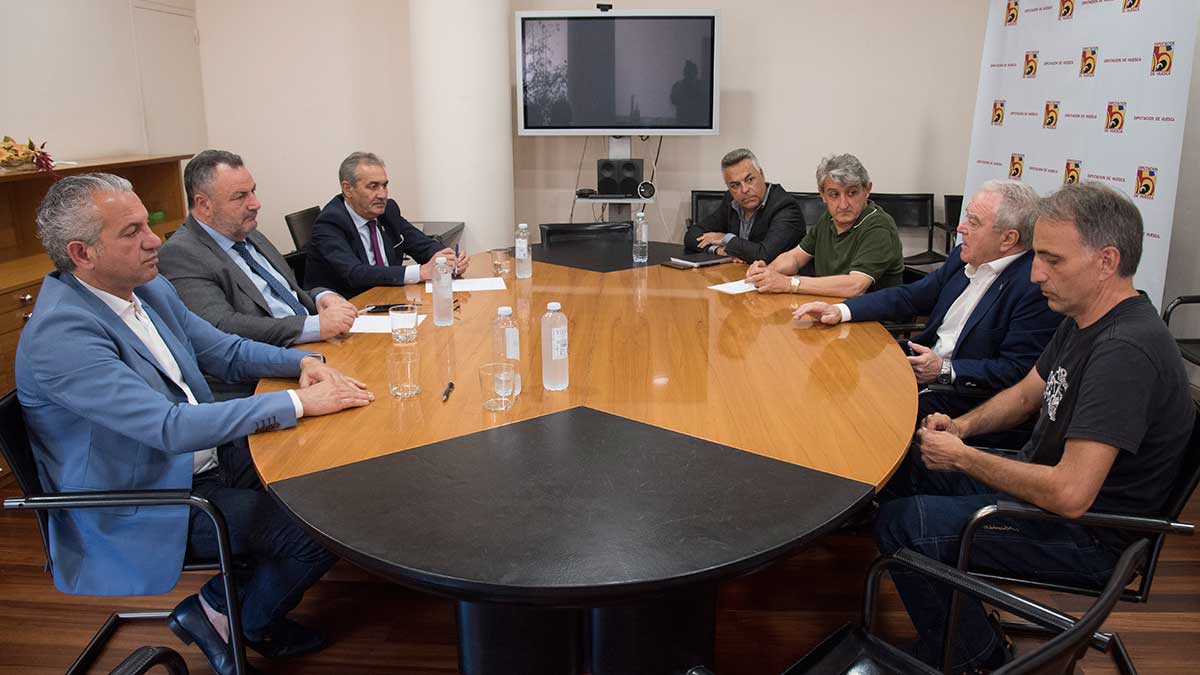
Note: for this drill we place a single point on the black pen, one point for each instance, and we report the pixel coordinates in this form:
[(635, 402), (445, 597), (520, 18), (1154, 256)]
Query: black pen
[(446, 394)]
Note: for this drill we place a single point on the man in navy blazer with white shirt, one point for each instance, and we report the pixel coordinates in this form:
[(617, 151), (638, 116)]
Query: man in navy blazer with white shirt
[(109, 373), (988, 322), (359, 239)]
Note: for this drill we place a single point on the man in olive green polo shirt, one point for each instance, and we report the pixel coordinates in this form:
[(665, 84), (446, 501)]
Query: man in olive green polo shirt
[(854, 247)]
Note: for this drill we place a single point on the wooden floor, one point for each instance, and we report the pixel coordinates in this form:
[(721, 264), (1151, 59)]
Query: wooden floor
[(765, 622)]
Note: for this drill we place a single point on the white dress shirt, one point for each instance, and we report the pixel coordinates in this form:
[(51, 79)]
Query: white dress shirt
[(980, 280), (132, 314), (412, 273), (311, 332)]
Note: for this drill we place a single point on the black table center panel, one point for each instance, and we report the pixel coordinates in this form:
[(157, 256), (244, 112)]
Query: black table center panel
[(529, 525)]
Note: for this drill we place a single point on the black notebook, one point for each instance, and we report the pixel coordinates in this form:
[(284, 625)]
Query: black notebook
[(700, 259)]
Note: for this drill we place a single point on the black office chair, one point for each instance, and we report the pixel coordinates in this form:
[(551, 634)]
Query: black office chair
[(298, 261), (1189, 348), (705, 203), (855, 648), (954, 206), (14, 442), (145, 659), (563, 232), (911, 210), (300, 224), (811, 205), (1157, 529)]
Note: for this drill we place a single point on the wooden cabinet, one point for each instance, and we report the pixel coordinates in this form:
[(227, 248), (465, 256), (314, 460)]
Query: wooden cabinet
[(157, 179)]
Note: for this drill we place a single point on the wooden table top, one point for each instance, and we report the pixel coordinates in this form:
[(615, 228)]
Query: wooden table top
[(651, 344)]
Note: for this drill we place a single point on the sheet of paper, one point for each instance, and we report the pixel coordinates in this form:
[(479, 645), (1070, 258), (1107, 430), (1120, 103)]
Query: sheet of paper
[(376, 323), (483, 284), (734, 287)]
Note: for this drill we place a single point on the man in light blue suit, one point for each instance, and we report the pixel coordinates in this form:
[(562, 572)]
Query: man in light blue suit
[(110, 375)]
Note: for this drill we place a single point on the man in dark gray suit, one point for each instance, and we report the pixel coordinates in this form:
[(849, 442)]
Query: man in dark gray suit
[(231, 275)]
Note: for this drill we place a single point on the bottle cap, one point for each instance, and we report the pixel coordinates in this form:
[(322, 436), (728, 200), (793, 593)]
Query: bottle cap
[(523, 226), (553, 306), (641, 214), (440, 260), (504, 311)]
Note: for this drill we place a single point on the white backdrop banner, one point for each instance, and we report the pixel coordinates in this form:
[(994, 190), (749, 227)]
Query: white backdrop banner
[(1073, 90)]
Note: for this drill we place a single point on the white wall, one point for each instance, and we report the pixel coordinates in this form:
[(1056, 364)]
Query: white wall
[(893, 83), (69, 76), (295, 87)]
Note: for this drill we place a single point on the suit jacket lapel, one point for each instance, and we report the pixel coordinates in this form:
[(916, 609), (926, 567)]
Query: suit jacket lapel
[(958, 283), (391, 243), (352, 232), (183, 357), (991, 296), (239, 277), (761, 220), (114, 322)]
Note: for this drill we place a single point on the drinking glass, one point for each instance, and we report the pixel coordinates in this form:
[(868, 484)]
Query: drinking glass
[(496, 382), (404, 323), (404, 372), (501, 262)]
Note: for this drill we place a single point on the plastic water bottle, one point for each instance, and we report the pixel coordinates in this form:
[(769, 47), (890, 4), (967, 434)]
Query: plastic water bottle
[(641, 239), (443, 294), (524, 262), (506, 340), (555, 374)]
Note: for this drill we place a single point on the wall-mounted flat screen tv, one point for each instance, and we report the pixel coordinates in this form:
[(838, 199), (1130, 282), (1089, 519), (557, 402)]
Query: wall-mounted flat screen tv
[(621, 73)]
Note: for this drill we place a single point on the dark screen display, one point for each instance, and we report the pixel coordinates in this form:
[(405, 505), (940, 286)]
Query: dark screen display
[(618, 73)]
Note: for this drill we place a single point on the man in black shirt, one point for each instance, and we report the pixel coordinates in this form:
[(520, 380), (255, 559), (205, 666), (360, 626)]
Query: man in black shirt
[(1115, 417)]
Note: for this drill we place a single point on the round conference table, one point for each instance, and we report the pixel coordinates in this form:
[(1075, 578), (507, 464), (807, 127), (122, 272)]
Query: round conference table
[(703, 435)]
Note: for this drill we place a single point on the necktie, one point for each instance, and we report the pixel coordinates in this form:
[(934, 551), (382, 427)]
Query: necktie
[(375, 244), (280, 291)]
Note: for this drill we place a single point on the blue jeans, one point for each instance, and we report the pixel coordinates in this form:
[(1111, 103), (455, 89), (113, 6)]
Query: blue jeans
[(284, 560), (926, 511)]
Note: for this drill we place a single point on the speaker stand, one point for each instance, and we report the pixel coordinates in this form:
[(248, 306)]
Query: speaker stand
[(619, 147)]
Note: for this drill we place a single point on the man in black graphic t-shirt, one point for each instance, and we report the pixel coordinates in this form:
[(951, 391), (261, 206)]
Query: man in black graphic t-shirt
[(1114, 417)]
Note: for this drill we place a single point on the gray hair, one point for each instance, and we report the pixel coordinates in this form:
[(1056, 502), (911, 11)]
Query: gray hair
[(1103, 216), (1017, 209), (348, 171), (67, 213), (737, 156), (845, 170), (200, 170)]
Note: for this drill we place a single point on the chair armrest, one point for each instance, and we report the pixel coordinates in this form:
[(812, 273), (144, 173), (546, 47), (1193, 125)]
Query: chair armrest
[(85, 500), (1181, 300), (981, 393), (1013, 508), (903, 328), (998, 597)]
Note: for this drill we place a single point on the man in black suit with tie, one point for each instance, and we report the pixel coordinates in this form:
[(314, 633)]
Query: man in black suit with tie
[(359, 240)]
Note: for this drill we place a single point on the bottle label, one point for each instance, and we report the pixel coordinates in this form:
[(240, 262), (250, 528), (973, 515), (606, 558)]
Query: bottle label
[(512, 343), (522, 249), (558, 343)]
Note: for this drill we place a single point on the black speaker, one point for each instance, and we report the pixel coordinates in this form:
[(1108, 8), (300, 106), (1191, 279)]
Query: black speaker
[(618, 176)]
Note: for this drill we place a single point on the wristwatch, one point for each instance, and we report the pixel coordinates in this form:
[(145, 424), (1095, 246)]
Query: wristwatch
[(796, 284), (944, 376)]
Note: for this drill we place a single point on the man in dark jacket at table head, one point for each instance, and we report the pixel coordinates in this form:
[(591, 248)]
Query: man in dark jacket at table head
[(359, 240), (757, 220)]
